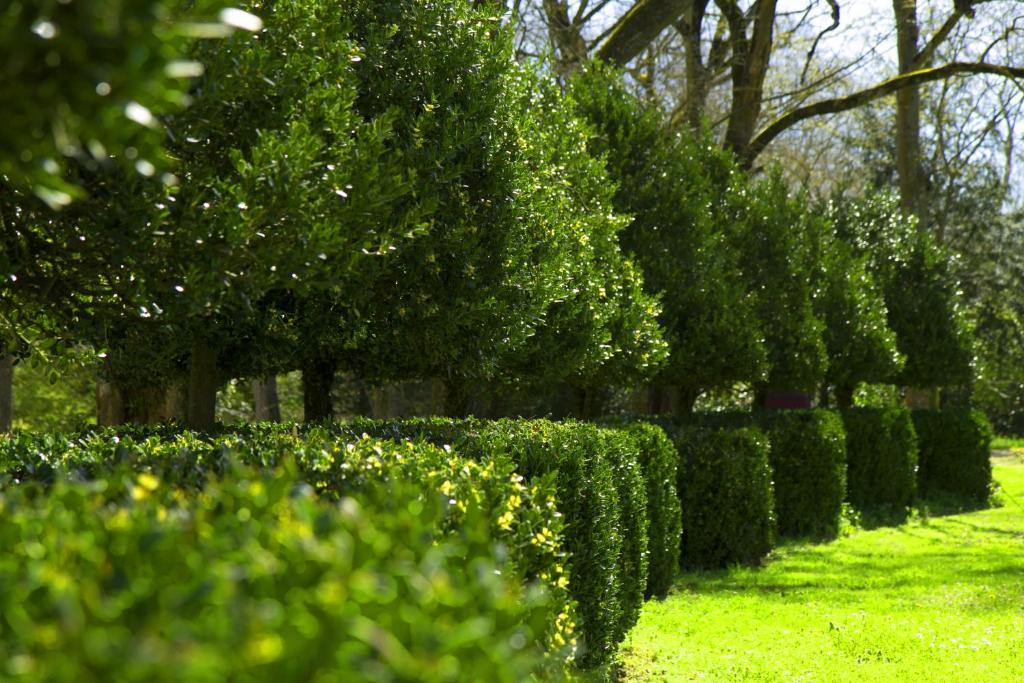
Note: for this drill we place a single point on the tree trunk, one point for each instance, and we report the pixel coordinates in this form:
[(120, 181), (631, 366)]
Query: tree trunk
[(6, 393), (696, 73), (202, 387), (264, 399), (908, 114), (317, 383), (687, 400), (750, 60), (565, 36), (456, 398), (844, 395), (150, 405), (109, 404)]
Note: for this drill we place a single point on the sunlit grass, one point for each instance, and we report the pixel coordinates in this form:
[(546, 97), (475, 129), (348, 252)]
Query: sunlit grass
[(1006, 443), (938, 599)]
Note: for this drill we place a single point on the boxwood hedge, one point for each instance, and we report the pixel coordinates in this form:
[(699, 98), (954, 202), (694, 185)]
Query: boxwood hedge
[(881, 455), (954, 451)]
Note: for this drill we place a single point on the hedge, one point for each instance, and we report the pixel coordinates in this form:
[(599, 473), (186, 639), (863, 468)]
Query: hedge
[(523, 518), (659, 461), (725, 488), (953, 453), (606, 577), (881, 455), (808, 456)]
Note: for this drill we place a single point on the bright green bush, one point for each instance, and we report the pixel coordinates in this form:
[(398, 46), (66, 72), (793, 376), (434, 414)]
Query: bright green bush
[(524, 519), (953, 453), (659, 461), (252, 577), (725, 488), (881, 456), (808, 456)]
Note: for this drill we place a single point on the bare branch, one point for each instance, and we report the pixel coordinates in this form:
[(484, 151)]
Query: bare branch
[(637, 28), (858, 99), (834, 4)]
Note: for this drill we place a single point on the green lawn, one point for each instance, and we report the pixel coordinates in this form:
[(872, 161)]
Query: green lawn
[(938, 599)]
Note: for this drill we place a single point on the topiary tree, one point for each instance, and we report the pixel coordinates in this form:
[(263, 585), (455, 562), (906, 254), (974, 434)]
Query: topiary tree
[(861, 345), (778, 258), (681, 235), (922, 295)]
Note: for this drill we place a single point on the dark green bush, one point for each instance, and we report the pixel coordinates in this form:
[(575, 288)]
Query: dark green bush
[(808, 456), (253, 577), (659, 461), (953, 453), (725, 488), (881, 456)]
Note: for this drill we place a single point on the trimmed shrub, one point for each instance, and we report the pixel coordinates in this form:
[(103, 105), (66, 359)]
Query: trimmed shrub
[(524, 519), (953, 453), (881, 456), (659, 461), (808, 456), (253, 577), (725, 488), (579, 455)]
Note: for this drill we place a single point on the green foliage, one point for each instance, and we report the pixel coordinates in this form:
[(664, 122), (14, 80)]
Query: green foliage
[(85, 81), (604, 582), (675, 187), (861, 345), (252, 577), (808, 456), (953, 453), (777, 257), (659, 462), (926, 310), (726, 493), (881, 455), (47, 401)]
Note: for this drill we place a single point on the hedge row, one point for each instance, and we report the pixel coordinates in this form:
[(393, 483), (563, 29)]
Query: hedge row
[(881, 452), (603, 516), (178, 559), (603, 477)]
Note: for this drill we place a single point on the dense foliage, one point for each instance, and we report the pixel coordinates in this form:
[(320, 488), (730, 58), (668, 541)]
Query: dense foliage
[(727, 497), (808, 456), (881, 456), (954, 453), (234, 574)]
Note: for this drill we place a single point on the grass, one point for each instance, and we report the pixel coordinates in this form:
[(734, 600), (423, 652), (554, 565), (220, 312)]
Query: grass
[(937, 599), (1006, 443)]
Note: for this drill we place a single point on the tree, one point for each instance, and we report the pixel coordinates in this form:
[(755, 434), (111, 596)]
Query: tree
[(676, 188)]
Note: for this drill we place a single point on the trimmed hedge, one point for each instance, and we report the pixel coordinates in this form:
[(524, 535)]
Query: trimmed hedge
[(725, 487), (523, 518), (881, 455), (253, 577), (659, 461), (808, 456), (606, 577), (953, 452)]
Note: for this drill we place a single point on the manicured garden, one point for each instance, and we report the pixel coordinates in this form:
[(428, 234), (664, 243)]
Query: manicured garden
[(936, 599), (375, 341)]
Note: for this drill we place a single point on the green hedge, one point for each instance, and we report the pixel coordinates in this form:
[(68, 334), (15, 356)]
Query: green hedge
[(725, 487), (659, 461), (595, 473), (953, 453), (881, 455), (253, 577), (808, 456), (524, 518)]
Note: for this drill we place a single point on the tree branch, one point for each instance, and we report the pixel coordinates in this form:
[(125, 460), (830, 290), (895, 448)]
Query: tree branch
[(858, 99), (637, 28)]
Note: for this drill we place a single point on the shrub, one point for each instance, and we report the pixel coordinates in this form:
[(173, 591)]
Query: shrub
[(524, 519), (881, 455), (808, 456), (953, 453), (659, 461), (725, 488), (252, 577), (606, 585)]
